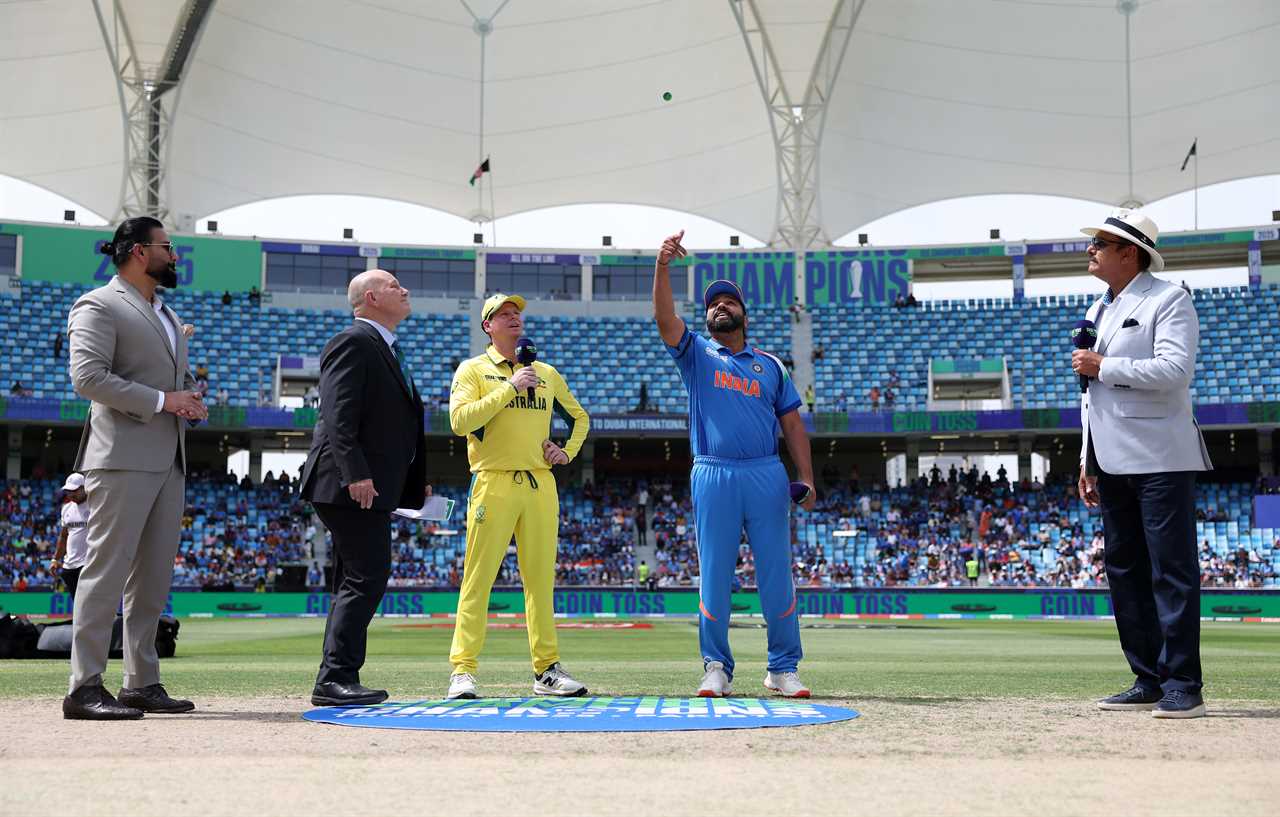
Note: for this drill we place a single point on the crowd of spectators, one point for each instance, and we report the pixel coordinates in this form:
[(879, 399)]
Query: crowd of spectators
[(599, 526), (936, 531), (927, 532), (28, 532), (676, 555), (236, 535), (1245, 569)]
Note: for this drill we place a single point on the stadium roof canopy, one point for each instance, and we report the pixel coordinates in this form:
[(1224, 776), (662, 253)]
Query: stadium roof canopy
[(926, 100)]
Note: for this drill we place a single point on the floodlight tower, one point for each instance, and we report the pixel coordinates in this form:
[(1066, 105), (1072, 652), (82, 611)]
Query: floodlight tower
[(149, 94), (1126, 8), (797, 125)]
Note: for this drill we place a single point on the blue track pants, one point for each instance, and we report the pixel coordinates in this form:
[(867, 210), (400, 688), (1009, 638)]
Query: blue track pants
[(729, 495)]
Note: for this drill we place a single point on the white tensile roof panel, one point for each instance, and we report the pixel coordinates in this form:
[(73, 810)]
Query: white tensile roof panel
[(939, 100), (934, 100)]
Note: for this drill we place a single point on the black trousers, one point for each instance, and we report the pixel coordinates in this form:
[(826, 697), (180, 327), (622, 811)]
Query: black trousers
[(71, 578), (1154, 574), (361, 566)]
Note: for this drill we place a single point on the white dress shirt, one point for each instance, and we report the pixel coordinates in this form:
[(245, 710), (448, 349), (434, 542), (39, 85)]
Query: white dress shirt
[(386, 333), (171, 331)]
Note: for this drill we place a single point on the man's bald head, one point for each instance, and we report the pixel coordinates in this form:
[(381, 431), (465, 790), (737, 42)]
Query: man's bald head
[(377, 295), (363, 283)]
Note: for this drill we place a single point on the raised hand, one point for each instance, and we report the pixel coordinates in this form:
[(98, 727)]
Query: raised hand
[(525, 378), (671, 249)]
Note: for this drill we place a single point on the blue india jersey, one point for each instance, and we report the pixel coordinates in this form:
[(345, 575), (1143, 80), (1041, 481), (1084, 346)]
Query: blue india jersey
[(734, 400)]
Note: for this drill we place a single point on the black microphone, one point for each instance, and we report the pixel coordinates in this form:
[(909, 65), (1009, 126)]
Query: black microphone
[(526, 354), (1083, 335)]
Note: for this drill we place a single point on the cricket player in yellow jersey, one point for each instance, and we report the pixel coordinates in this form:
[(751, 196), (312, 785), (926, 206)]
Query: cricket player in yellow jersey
[(512, 491)]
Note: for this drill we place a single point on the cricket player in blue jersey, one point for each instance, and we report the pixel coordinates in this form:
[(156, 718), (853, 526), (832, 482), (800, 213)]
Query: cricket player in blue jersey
[(738, 398)]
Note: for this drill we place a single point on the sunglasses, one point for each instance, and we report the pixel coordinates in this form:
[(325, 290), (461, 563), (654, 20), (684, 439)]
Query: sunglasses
[(167, 245), (1102, 243)]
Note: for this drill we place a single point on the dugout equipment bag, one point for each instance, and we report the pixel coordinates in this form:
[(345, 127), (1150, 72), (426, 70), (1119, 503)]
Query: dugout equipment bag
[(18, 637), (54, 640)]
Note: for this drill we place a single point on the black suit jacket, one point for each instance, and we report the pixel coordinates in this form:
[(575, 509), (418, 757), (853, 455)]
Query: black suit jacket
[(370, 426)]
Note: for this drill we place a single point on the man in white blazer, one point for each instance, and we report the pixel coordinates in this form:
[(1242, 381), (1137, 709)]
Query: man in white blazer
[(1139, 457)]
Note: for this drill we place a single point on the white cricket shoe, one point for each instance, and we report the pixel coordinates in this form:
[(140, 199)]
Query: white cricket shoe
[(786, 684), (715, 682), (461, 685), (555, 681)]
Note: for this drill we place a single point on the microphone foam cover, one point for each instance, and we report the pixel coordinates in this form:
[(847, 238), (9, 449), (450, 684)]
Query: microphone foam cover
[(1084, 334), (526, 352)]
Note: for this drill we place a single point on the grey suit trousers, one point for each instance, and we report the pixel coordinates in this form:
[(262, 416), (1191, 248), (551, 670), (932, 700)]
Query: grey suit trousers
[(134, 521)]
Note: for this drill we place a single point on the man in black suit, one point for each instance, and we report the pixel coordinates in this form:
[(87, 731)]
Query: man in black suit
[(367, 458)]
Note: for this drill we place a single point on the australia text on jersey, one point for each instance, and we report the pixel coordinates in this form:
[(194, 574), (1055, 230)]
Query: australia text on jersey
[(538, 403)]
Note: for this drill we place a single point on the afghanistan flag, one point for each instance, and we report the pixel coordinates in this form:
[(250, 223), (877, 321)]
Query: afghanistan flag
[(480, 171)]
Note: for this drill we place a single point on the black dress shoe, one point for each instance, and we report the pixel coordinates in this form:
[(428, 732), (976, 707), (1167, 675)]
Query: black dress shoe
[(336, 693), (94, 703), (154, 699)]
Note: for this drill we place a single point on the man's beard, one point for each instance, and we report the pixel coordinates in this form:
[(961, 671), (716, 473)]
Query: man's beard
[(167, 276), (728, 322)]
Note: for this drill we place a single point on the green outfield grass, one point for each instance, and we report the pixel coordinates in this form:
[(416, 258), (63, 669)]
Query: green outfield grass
[(911, 661)]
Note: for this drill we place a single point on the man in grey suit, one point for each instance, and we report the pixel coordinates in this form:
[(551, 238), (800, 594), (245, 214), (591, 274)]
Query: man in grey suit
[(1140, 454), (129, 357)]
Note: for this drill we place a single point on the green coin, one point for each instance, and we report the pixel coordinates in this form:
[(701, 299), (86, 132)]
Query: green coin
[(666, 96)]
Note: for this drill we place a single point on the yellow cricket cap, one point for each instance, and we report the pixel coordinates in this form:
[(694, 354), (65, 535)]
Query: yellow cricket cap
[(495, 302)]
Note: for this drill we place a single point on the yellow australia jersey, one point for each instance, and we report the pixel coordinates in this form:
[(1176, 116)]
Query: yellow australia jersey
[(505, 430)]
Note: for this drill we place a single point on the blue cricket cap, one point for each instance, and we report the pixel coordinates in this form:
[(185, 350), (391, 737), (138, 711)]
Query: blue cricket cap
[(722, 287)]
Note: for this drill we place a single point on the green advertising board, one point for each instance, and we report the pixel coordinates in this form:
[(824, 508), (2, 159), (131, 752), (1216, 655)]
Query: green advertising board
[(622, 602), (70, 255), (445, 253), (967, 366)]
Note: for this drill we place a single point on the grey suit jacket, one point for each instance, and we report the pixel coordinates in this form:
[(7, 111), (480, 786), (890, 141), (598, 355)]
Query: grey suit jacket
[(120, 358), (1138, 412)]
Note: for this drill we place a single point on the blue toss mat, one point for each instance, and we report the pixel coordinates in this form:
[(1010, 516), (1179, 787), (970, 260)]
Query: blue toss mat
[(598, 714)]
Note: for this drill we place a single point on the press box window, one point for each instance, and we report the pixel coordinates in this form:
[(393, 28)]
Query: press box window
[(8, 254)]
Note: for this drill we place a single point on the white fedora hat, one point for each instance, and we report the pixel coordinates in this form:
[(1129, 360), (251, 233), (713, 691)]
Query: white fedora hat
[(1133, 226)]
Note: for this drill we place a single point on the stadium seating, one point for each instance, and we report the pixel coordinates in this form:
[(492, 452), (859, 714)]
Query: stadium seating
[(239, 342), (1238, 359), (606, 359)]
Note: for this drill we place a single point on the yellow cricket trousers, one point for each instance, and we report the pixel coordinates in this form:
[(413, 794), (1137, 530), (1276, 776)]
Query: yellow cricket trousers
[(502, 503)]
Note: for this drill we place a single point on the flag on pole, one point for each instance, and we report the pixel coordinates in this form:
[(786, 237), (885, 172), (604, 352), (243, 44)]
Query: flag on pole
[(483, 169), (1190, 153)]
